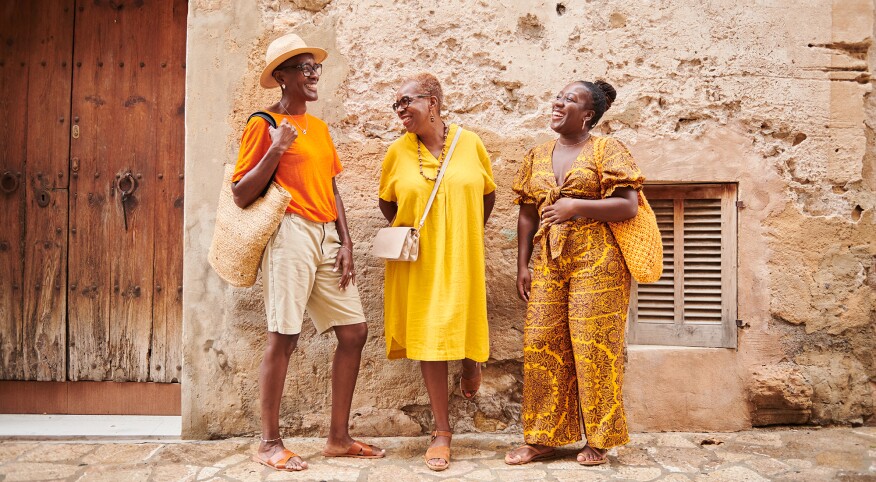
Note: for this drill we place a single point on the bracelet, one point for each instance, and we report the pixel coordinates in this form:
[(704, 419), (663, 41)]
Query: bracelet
[(348, 249)]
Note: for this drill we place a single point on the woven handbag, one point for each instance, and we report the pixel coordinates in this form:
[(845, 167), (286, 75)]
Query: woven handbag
[(402, 243), (241, 234), (638, 237)]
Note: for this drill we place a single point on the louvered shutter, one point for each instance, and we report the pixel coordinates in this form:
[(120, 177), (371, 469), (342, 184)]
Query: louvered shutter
[(694, 302)]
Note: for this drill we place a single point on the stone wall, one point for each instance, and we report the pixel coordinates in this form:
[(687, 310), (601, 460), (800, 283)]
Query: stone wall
[(721, 91)]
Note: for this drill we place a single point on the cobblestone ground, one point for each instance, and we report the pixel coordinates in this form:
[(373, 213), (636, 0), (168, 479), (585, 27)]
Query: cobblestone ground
[(782, 454)]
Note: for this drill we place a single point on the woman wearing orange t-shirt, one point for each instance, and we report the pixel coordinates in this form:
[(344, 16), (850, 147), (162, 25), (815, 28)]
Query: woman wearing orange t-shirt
[(308, 263)]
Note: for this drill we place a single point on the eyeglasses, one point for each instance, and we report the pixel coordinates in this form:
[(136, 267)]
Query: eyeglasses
[(405, 101), (306, 69)]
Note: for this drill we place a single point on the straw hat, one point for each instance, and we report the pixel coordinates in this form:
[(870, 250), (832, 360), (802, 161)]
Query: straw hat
[(282, 49)]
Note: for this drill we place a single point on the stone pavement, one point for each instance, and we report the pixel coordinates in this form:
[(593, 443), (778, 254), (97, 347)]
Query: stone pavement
[(792, 454)]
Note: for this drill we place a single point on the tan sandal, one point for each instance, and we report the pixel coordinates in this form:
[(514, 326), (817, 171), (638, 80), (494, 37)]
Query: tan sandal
[(359, 450), (442, 453), (534, 455), (603, 457), (279, 460), (471, 385)]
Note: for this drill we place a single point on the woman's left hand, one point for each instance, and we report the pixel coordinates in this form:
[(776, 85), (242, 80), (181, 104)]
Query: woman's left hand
[(344, 261), (560, 211)]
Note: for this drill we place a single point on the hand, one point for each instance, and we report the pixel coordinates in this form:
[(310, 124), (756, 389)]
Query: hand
[(524, 283), (283, 136), (559, 212), (344, 262)]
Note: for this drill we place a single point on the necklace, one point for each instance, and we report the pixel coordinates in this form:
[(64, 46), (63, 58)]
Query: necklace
[(303, 131), (440, 158), (587, 138)]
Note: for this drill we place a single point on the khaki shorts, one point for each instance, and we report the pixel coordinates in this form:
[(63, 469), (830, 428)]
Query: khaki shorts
[(297, 274)]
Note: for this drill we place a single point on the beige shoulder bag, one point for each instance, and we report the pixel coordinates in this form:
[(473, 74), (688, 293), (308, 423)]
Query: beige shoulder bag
[(402, 243)]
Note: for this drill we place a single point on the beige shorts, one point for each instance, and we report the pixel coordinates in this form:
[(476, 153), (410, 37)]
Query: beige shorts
[(297, 275)]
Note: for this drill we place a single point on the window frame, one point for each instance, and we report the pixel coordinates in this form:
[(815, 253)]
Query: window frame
[(679, 333)]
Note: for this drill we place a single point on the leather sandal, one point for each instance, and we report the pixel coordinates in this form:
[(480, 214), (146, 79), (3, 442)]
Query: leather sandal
[(534, 455), (602, 457), (359, 450), (278, 461), (471, 385), (438, 452)]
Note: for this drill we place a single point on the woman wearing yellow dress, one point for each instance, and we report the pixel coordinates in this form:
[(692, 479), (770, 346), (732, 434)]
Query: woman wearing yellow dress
[(435, 308), (569, 190)]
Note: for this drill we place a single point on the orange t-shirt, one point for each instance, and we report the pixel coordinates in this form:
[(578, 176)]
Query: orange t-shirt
[(305, 170)]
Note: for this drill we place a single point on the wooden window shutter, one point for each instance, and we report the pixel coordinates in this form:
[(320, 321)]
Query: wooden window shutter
[(694, 302)]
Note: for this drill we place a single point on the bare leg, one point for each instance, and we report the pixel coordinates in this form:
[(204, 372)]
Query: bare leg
[(470, 370), (345, 371), (272, 377), (435, 376)]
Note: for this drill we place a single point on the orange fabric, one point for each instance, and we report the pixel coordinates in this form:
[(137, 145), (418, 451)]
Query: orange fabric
[(306, 169)]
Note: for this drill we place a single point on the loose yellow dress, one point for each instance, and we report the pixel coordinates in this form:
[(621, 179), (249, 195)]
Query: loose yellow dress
[(435, 308), (573, 337)]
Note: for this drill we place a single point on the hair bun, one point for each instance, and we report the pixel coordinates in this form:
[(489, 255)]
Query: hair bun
[(609, 91)]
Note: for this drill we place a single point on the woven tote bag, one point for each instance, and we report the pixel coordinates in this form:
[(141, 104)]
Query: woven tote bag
[(241, 234), (638, 237)]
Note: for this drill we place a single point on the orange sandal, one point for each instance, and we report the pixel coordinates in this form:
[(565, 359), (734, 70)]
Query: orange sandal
[(471, 385), (359, 450), (278, 461), (442, 453)]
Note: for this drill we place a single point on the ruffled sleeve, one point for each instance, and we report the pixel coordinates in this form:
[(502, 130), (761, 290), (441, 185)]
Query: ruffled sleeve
[(619, 169), (523, 180)]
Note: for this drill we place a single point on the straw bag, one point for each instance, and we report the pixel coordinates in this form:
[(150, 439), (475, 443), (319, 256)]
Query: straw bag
[(241, 234), (638, 237), (402, 243)]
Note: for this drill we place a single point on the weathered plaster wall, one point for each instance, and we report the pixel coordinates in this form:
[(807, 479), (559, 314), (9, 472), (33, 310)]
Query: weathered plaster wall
[(721, 91)]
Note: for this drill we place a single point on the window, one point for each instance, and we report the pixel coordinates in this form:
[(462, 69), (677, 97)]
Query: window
[(694, 302)]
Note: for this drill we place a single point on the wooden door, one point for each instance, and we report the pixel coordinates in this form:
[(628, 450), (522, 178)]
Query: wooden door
[(35, 76), (125, 264), (91, 137)]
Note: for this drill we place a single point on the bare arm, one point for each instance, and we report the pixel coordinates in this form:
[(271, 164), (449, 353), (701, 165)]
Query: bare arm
[(253, 183), (622, 205), (388, 209), (527, 225), (489, 202), (344, 259)]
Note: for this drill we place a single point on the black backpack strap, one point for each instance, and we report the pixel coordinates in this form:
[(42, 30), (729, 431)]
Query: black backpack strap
[(264, 115)]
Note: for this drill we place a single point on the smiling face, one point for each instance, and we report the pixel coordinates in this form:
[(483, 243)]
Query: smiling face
[(571, 110), (415, 117), (299, 86)]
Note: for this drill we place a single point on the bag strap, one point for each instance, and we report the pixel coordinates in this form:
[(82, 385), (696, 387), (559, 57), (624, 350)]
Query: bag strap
[(264, 115), (440, 176)]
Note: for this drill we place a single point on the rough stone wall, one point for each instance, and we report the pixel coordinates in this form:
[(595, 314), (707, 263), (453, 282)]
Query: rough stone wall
[(716, 91)]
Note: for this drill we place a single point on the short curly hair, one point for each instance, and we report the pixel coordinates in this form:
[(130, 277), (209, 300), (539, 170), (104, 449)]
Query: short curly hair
[(430, 85)]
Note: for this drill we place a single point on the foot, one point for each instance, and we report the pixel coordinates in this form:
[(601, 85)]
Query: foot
[(470, 381), (438, 463), (271, 454), (592, 456), (352, 448), (529, 453)]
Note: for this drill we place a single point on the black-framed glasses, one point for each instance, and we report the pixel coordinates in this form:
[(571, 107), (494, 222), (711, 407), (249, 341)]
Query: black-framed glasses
[(306, 69), (405, 101)]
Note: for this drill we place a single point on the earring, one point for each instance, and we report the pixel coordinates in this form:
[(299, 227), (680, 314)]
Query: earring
[(282, 86), (431, 116)]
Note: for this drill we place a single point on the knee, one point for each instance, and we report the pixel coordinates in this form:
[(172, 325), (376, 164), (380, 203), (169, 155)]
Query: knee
[(281, 345), (352, 337)]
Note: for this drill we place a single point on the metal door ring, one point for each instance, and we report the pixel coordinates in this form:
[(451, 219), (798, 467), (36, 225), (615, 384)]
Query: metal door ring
[(8, 182), (127, 184)]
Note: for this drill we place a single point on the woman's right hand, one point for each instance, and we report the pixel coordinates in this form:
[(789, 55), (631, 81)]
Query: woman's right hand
[(524, 283), (283, 135)]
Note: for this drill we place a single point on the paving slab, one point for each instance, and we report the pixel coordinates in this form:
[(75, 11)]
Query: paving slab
[(792, 454)]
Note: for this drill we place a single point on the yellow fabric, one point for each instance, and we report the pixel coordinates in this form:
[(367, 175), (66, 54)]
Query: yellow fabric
[(574, 331), (535, 182), (435, 308)]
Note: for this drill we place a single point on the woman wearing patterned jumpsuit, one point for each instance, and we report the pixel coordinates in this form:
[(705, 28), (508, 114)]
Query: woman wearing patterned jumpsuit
[(568, 190)]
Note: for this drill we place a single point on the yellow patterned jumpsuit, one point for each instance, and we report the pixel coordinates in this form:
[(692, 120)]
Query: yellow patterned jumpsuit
[(573, 341)]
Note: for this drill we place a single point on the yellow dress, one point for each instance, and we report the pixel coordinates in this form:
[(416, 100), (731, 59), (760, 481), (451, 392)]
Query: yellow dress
[(573, 338), (435, 309)]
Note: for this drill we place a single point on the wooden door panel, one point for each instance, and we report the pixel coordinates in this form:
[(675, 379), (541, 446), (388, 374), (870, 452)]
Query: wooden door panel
[(41, 115), (124, 85), (14, 65)]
